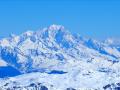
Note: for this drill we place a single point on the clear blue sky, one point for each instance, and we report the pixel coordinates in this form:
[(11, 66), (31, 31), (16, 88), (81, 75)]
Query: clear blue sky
[(92, 18)]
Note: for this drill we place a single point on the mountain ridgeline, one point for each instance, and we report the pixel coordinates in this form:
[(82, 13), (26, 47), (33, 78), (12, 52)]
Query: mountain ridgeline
[(55, 51)]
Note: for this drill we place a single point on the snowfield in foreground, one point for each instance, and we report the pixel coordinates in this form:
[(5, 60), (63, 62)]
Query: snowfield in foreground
[(55, 59)]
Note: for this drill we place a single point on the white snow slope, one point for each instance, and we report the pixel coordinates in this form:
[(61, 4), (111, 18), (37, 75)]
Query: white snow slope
[(58, 60)]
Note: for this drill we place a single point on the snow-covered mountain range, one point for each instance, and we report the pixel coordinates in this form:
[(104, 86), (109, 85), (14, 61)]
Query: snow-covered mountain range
[(55, 59)]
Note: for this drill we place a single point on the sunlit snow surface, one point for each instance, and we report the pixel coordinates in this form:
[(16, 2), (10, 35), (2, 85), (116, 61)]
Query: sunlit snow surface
[(58, 60)]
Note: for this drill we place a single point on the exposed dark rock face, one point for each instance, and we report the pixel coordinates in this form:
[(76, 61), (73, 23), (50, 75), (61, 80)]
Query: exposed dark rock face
[(70, 89), (107, 87), (32, 86), (113, 86), (43, 88)]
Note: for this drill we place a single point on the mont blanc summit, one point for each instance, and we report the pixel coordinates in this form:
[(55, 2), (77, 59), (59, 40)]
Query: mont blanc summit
[(55, 59)]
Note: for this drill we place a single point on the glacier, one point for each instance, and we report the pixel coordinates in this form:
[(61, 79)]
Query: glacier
[(55, 59)]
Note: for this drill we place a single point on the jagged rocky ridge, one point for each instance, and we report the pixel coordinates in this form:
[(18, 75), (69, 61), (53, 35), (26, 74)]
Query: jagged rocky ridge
[(55, 54)]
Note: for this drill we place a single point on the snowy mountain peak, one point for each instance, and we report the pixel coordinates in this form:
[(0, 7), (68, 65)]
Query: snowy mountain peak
[(56, 34), (56, 27), (51, 31), (109, 41), (112, 41), (28, 33)]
